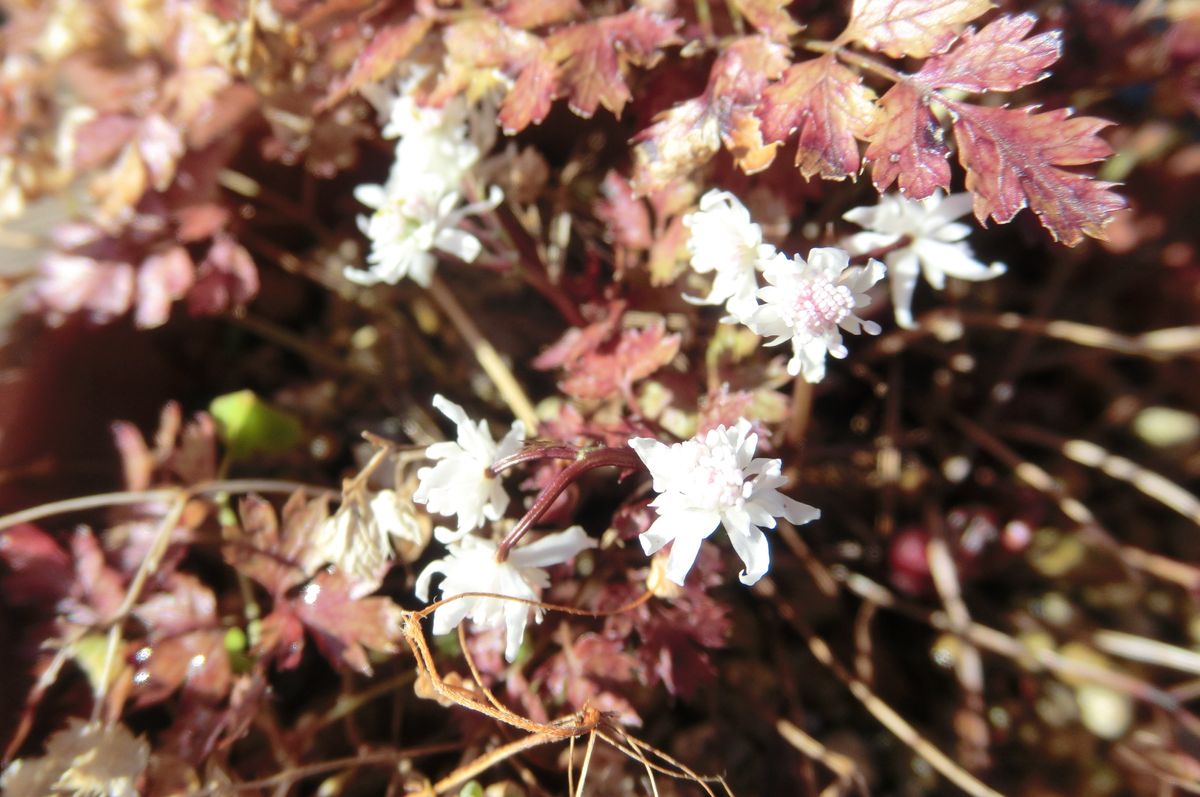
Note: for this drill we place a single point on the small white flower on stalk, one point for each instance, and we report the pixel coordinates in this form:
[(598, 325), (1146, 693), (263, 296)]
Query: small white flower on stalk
[(404, 231), (418, 209), (471, 566), (716, 481), (724, 239), (935, 244), (811, 303), (462, 483)]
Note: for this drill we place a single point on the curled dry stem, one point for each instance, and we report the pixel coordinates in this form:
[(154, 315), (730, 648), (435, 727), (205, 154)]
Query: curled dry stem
[(588, 721)]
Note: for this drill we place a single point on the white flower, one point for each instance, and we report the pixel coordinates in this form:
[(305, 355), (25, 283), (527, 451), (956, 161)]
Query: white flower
[(716, 481), (471, 566), (810, 303), (935, 244), (404, 231), (724, 239), (462, 483), (417, 210)]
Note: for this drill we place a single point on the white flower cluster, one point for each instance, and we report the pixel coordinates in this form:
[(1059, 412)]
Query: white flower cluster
[(930, 242), (702, 484), (472, 567), (420, 206), (462, 484), (716, 481), (809, 303)]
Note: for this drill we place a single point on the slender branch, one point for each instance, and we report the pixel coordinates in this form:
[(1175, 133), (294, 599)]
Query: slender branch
[(489, 359), (885, 714), (533, 271), (381, 757), (101, 500)]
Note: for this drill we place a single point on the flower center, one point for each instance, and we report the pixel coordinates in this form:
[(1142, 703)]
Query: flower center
[(718, 479), (819, 305)]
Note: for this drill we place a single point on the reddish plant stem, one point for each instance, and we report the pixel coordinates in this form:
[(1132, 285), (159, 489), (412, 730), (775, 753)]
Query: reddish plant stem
[(623, 458), (533, 271), (536, 451)]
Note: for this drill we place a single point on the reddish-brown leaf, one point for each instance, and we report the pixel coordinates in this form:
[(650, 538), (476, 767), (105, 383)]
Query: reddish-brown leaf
[(1012, 158), (282, 637), (37, 571), (595, 55), (917, 28), (769, 16), (537, 13), (682, 139), (637, 354), (344, 627), (625, 216), (996, 58), (479, 48), (829, 106), (532, 93), (226, 278), (689, 134), (162, 279), (390, 44), (580, 341), (907, 144), (98, 590), (907, 141), (186, 645), (584, 676), (69, 284), (263, 553)]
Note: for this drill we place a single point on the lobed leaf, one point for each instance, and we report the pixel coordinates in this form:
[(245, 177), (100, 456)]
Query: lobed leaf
[(483, 47), (594, 56), (83, 758), (344, 626), (907, 144), (390, 44), (829, 106), (538, 13), (996, 58), (637, 354), (625, 217), (917, 28), (769, 16), (686, 136), (1012, 158)]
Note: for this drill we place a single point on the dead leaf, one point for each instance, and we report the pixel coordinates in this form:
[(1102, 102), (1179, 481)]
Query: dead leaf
[(84, 758)]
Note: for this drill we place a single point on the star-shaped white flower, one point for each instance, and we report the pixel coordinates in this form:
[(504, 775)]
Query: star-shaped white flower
[(471, 566), (811, 303), (418, 209), (461, 483), (724, 240), (935, 244), (405, 229), (716, 481)]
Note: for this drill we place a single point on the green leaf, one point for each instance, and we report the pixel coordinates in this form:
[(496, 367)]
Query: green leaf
[(249, 425)]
